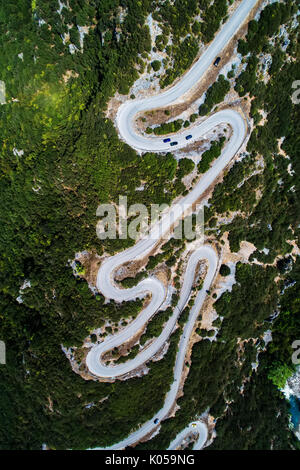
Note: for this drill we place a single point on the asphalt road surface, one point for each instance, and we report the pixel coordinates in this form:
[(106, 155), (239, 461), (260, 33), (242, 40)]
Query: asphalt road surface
[(105, 282)]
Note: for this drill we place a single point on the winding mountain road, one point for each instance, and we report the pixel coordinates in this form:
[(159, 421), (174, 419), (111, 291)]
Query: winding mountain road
[(105, 278)]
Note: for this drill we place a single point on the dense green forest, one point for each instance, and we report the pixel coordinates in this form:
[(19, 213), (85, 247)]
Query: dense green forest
[(61, 157)]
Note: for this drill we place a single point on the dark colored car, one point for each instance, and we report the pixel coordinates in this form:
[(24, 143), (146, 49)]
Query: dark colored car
[(188, 137), (167, 140), (217, 61), (173, 143), (156, 421)]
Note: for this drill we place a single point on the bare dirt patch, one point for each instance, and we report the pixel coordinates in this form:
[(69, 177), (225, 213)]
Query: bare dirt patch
[(163, 275), (91, 263), (129, 269), (69, 74)]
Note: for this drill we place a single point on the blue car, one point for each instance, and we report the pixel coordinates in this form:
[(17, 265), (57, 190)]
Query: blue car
[(167, 140), (188, 137), (173, 143)]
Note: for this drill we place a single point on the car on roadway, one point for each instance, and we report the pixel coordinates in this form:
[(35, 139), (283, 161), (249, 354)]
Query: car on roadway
[(217, 61), (173, 143), (188, 137), (156, 421), (166, 140)]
